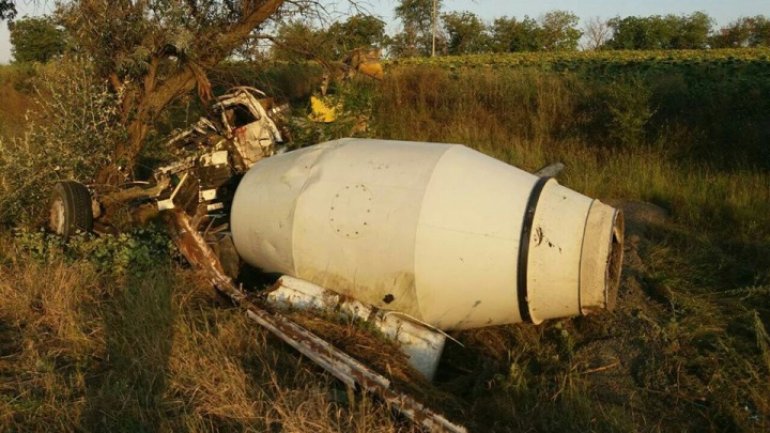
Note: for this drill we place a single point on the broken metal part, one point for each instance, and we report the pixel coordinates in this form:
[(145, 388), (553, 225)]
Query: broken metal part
[(422, 344), (202, 127), (174, 168), (200, 181), (240, 123), (351, 372), (134, 193), (211, 155), (247, 123)]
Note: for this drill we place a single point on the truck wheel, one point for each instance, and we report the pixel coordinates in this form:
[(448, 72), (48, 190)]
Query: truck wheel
[(70, 209)]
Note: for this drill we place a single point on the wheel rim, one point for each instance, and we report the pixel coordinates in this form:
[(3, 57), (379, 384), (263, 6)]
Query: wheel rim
[(56, 219)]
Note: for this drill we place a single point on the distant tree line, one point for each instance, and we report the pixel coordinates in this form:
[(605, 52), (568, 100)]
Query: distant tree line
[(463, 32), (457, 32)]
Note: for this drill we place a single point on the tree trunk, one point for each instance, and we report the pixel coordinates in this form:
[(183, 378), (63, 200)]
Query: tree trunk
[(155, 94), (149, 106)]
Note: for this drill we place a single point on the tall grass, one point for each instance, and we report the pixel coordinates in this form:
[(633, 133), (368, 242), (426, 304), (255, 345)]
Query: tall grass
[(151, 349), (531, 118), (686, 349)]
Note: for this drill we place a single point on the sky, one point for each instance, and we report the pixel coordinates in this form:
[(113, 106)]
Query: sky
[(723, 11)]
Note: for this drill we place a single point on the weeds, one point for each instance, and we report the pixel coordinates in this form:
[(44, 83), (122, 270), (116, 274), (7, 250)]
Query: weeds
[(116, 255), (628, 104)]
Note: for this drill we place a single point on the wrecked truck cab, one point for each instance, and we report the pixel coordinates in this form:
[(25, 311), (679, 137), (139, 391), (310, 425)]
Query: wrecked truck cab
[(246, 121), (242, 121)]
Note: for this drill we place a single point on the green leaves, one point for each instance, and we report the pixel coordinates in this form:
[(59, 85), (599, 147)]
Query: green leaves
[(35, 39), (467, 33), (70, 136), (660, 32), (136, 251)]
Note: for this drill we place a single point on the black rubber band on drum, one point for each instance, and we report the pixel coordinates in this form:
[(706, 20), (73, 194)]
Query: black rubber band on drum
[(526, 234)]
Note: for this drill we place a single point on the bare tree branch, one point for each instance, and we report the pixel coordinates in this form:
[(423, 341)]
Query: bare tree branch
[(597, 32)]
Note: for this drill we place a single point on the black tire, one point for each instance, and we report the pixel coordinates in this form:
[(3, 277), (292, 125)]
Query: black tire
[(70, 210)]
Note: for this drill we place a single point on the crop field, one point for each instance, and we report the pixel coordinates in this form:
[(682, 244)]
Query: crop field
[(607, 59), (102, 335)]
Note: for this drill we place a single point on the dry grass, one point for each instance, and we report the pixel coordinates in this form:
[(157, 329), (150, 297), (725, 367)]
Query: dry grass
[(83, 351), (14, 92)]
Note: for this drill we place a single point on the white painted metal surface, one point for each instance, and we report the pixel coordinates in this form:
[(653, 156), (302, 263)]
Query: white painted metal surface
[(422, 344), (436, 231)]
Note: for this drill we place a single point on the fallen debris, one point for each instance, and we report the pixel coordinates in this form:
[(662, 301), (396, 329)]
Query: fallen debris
[(422, 344), (342, 366)]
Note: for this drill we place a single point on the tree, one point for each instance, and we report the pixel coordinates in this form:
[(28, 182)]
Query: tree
[(559, 31), (417, 19), (737, 34), (761, 32), (35, 39), (632, 33), (744, 32), (512, 35), (556, 31), (690, 32), (7, 9), (597, 31), (358, 31), (466, 33), (660, 32), (298, 40), (154, 51)]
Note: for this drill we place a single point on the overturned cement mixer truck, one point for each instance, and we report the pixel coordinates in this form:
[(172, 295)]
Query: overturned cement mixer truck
[(414, 238), (439, 232)]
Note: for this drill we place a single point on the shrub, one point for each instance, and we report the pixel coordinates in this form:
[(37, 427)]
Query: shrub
[(628, 106), (69, 137), (138, 251)]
